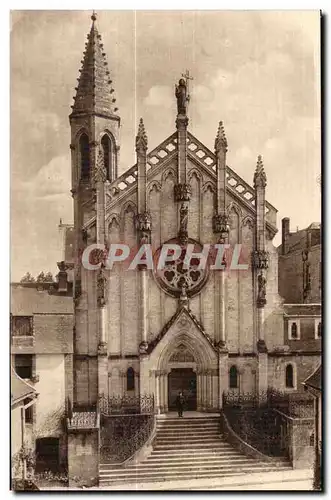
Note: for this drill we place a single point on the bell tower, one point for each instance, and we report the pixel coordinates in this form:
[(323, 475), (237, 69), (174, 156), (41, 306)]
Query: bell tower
[(94, 119), (95, 129)]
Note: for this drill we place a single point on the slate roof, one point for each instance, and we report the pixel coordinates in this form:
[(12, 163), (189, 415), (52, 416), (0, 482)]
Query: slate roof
[(26, 301), (302, 309)]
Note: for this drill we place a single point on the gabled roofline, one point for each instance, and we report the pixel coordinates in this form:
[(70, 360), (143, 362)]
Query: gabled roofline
[(168, 325)]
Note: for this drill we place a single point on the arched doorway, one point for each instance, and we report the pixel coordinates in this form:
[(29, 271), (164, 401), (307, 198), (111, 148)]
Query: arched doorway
[(184, 347), (184, 380)]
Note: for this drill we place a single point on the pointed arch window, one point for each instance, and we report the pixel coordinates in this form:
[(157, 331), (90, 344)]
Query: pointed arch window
[(233, 377), (130, 379), (107, 156), (289, 377), (84, 149)]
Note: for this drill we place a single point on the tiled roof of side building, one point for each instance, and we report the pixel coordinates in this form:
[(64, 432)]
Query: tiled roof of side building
[(315, 379), (26, 301), (19, 389), (303, 309)]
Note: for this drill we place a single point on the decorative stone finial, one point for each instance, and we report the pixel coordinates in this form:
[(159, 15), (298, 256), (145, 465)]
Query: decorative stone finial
[(94, 16), (221, 144), (141, 139), (260, 178)]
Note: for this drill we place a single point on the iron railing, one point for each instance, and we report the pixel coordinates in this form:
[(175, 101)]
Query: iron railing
[(296, 404), (126, 404), (121, 436), (257, 427), (264, 420)]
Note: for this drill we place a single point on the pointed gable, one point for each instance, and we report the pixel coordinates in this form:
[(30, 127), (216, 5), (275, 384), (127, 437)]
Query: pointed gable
[(186, 313)]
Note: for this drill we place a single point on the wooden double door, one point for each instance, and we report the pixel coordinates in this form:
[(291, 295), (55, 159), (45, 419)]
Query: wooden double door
[(185, 380)]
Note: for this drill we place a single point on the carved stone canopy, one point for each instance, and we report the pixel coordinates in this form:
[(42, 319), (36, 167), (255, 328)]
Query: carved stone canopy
[(143, 347), (260, 259), (182, 192), (144, 221), (221, 224)]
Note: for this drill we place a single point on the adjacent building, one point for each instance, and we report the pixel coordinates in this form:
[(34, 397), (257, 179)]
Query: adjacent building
[(314, 385), (300, 285), (300, 264), (41, 352)]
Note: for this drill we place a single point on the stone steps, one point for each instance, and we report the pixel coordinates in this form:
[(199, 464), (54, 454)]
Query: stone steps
[(139, 476), (191, 451), (226, 454), (187, 448)]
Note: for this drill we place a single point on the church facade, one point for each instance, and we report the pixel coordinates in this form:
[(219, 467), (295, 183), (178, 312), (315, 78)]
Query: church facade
[(144, 331)]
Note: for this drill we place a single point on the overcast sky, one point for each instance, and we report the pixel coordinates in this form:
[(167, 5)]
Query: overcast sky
[(256, 71)]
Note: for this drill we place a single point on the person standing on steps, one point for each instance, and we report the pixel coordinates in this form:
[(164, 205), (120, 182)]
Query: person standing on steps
[(180, 403)]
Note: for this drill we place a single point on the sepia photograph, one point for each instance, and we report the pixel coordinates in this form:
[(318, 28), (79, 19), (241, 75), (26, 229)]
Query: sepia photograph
[(166, 281)]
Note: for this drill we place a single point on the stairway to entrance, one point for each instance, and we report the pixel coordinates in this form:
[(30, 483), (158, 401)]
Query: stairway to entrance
[(187, 448)]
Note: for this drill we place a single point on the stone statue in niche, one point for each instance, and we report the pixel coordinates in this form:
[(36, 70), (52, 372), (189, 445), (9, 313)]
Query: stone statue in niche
[(182, 97), (261, 289), (183, 217), (183, 299), (101, 288), (183, 221)]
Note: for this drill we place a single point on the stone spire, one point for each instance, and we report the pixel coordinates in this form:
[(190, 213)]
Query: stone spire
[(141, 138), (94, 92), (221, 144), (260, 178)]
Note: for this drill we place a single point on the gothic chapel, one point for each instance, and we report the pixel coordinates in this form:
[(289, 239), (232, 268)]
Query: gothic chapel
[(158, 332)]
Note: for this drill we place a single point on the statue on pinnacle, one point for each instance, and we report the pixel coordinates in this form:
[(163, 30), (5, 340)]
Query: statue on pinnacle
[(182, 94)]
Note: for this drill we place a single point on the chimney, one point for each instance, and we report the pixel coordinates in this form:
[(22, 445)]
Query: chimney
[(285, 234)]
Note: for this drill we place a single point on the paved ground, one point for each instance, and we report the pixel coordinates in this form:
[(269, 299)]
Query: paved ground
[(292, 480), (299, 480)]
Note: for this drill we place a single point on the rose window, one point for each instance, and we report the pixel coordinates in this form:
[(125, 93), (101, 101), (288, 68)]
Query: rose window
[(175, 276)]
